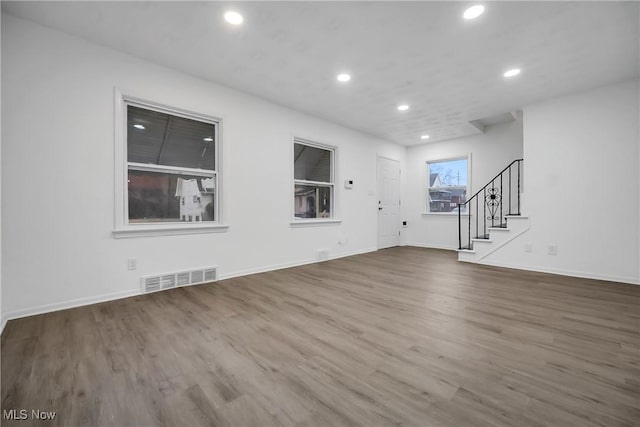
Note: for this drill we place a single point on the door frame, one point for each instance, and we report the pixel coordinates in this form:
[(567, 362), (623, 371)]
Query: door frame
[(378, 157)]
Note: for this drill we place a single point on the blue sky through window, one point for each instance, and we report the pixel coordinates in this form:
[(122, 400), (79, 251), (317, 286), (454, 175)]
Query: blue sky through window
[(451, 172)]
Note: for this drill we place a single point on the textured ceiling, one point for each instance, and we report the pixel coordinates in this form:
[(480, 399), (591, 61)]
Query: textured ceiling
[(420, 53)]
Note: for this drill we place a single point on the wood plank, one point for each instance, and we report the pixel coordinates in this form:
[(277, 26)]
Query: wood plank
[(403, 336)]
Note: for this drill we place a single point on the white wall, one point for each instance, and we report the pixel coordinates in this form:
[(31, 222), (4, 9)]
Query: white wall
[(490, 153), (582, 161), (58, 144)]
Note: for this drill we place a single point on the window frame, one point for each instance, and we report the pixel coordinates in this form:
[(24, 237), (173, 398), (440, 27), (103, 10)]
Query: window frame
[(332, 184), (468, 187), (123, 227)]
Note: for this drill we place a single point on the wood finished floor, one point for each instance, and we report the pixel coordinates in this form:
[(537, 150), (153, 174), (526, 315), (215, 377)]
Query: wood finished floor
[(403, 336)]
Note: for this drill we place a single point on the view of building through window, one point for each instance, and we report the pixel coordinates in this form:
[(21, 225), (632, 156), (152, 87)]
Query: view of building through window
[(447, 184), (313, 181), (171, 163)]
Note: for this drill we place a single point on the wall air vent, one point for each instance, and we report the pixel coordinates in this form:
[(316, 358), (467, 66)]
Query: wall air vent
[(168, 281), (210, 274), (150, 284), (197, 276), (183, 278)]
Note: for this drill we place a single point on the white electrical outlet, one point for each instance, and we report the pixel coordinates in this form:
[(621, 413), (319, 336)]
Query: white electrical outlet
[(552, 250), (132, 264), (528, 247)]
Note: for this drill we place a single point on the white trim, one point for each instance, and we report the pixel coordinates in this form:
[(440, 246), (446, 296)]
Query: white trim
[(332, 175), (313, 143), (445, 214), (378, 156), (314, 183), (168, 229), (47, 308), (144, 167), (510, 238), (122, 227), (571, 273), (168, 109), (379, 195), (78, 302), (427, 179), (421, 245), (306, 222), (561, 272), (292, 264)]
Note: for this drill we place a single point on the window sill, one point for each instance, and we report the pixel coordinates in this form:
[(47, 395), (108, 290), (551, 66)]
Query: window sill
[(314, 222), (444, 214), (167, 230)]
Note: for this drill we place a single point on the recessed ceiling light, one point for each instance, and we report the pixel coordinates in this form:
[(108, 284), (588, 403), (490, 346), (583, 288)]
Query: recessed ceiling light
[(344, 77), (141, 127), (424, 137), (473, 12), (208, 139), (403, 107), (512, 72), (233, 18)]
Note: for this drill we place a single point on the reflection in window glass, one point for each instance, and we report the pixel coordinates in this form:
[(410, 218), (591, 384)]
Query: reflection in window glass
[(171, 162), (312, 201), (313, 181), (312, 163), (169, 197), (163, 139)]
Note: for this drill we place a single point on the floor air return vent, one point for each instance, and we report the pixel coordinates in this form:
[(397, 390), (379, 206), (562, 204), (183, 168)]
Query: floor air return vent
[(183, 278)]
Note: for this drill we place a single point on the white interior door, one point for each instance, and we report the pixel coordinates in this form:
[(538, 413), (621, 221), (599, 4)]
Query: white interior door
[(388, 203)]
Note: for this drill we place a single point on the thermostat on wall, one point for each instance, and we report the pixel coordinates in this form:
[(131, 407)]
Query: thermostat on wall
[(348, 183)]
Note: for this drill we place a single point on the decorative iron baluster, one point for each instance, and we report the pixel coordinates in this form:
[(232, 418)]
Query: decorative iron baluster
[(477, 218), (459, 231), (500, 201), (484, 232), (492, 201), (469, 245), (518, 187), (510, 190)]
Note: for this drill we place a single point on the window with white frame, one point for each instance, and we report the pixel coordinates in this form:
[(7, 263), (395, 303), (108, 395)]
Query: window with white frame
[(313, 174), (447, 184), (171, 166)]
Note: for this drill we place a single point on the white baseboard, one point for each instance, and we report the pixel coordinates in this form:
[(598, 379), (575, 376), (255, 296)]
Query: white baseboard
[(47, 308), (274, 267), (512, 237), (561, 272), (421, 245), (79, 302)]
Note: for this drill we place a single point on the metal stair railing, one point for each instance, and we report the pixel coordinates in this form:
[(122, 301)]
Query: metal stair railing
[(493, 205)]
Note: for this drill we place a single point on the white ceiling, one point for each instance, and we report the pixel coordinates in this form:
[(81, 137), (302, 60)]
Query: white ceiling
[(421, 53)]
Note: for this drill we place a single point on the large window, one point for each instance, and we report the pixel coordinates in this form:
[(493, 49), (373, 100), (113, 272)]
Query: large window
[(448, 184), (171, 167), (313, 180)]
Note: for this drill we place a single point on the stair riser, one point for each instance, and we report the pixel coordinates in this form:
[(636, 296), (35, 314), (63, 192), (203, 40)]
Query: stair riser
[(497, 238)]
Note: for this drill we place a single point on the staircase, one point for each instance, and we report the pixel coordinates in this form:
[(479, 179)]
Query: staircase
[(492, 217)]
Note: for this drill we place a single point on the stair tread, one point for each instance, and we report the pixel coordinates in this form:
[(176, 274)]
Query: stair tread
[(466, 251)]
